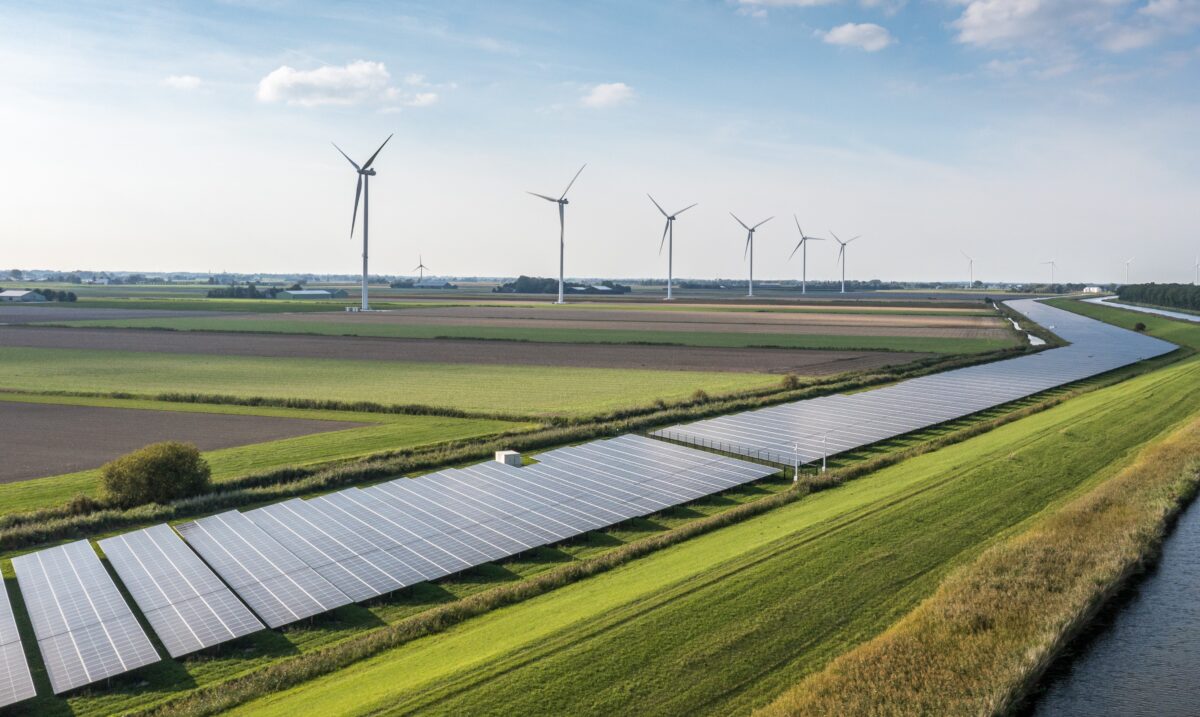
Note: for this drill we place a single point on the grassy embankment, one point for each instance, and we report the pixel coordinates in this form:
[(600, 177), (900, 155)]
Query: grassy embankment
[(365, 434), (683, 337), (739, 614), (527, 390)]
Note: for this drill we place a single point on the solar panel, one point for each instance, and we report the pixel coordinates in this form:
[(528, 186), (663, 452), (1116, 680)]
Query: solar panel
[(187, 605), (16, 684), (804, 431), (85, 630), (279, 587)]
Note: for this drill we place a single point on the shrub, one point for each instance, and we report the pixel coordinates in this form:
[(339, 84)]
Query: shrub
[(1139, 326), (700, 396), (158, 473), (791, 382)]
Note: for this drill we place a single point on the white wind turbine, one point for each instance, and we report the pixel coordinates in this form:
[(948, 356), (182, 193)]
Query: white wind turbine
[(1127, 263), (421, 268), (750, 245), (1053, 266), (970, 267), (562, 203), (1197, 268), (364, 177), (803, 244), (842, 256), (669, 237)]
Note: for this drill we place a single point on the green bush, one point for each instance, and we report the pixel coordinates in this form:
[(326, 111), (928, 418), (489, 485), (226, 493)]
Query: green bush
[(158, 473)]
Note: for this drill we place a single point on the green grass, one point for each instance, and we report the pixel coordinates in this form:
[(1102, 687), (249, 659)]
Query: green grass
[(526, 390), (365, 433), (727, 620), (717, 339), (1177, 331)]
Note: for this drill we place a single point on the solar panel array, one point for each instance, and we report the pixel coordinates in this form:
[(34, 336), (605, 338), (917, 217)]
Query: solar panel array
[(15, 682), (275, 583), (187, 605), (85, 630), (804, 431)]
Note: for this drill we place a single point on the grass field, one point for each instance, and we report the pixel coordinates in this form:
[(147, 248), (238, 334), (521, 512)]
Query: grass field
[(1183, 333), (740, 614), (532, 390), (382, 432), (567, 335)]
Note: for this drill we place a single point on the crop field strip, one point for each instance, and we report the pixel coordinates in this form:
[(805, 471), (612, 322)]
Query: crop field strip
[(805, 431), (16, 683), (85, 630)]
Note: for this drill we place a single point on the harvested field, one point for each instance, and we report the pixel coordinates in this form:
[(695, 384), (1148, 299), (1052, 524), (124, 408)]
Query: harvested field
[(28, 314), (40, 439), (513, 353)]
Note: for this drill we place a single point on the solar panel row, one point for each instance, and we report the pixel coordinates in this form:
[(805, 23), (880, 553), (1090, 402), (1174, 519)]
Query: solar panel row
[(804, 431), (16, 684), (85, 630), (186, 604)]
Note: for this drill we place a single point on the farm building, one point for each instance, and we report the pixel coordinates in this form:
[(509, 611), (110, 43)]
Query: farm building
[(1092, 290), (21, 295), (311, 294)]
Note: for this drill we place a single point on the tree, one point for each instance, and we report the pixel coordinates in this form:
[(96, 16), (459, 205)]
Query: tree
[(17, 274), (158, 473)]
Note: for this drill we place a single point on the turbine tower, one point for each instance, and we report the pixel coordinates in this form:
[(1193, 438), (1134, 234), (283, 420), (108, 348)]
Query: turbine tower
[(1127, 263), (669, 234), (803, 244), (842, 256), (1053, 265), (1197, 268), (562, 203), (750, 245), (364, 177), (970, 267), (421, 268)]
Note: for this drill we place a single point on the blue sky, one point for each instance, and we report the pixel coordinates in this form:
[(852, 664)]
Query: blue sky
[(195, 135)]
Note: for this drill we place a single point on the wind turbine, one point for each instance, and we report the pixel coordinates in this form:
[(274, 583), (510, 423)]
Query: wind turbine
[(970, 267), (750, 245), (842, 256), (803, 244), (1053, 265), (562, 203), (1127, 263), (669, 233), (1197, 267), (364, 177), (420, 267)]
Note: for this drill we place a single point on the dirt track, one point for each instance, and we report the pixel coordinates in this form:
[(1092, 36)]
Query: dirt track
[(40, 439), (803, 362)]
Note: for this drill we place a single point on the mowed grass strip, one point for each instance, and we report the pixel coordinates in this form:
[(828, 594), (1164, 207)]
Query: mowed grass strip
[(528, 390), (726, 621), (381, 432), (977, 645), (705, 339)]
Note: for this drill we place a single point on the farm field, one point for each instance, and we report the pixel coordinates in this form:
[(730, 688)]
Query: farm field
[(525, 390), (355, 434), (739, 614)]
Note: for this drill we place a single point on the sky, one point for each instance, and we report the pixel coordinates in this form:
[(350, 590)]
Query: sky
[(196, 136)]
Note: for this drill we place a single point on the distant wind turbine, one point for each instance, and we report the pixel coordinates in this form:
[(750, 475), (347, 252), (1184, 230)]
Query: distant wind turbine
[(420, 267), (562, 203), (1053, 266), (842, 256), (1127, 263), (669, 237), (1197, 267), (803, 244), (970, 267), (750, 245), (364, 177)]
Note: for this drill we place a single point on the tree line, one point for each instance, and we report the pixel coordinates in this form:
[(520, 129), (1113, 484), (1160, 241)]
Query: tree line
[(1175, 296)]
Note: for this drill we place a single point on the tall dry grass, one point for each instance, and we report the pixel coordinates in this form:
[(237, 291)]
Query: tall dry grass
[(979, 644)]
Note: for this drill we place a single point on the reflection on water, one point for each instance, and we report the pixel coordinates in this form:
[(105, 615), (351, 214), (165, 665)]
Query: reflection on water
[(1146, 659)]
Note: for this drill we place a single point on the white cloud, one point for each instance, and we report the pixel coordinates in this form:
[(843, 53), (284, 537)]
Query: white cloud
[(1114, 25), (183, 82), (608, 94), (360, 82), (422, 99), (866, 36)]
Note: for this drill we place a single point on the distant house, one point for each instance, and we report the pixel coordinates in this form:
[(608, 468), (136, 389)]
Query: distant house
[(308, 294), (1093, 290), (20, 295)]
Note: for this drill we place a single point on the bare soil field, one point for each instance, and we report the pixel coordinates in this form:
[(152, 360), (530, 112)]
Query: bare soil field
[(32, 313), (460, 351), (41, 439), (825, 324)]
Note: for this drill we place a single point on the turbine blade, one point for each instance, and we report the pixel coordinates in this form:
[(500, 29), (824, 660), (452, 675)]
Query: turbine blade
[(835, 236), (739, 221), (351, 161), (798, 226), (543, 196), (756, 226), (373, 156), (664, 212), (564, 194), (853, 238), (357, 194), (681, 211), (666, 227), (746, 251), (798, 245)]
